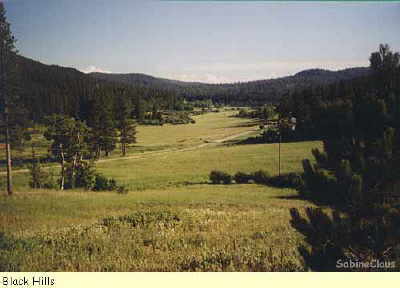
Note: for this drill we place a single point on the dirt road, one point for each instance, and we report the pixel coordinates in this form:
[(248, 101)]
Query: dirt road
[(161, 152)]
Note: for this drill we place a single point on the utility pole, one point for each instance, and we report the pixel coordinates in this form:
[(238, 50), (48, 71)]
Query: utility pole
[(62, 167), (279, 145)]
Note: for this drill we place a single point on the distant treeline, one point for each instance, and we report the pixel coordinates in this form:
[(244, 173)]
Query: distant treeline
[(252, 93), (320, 110), (51, 89)]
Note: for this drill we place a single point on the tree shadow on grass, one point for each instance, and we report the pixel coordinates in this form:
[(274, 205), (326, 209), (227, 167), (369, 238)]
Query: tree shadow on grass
[(189, 183), (290, 197), (246, 124)]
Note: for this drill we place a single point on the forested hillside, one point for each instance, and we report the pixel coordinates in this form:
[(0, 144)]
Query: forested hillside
[(48, 89), (241, 93)]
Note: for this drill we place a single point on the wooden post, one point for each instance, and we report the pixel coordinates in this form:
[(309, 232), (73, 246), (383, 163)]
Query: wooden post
[(279, 165), (62, 167), (280, 140)]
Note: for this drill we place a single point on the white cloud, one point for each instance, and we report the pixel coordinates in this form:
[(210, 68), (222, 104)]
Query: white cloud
[(229, 72), (93, 68), (203, 77)]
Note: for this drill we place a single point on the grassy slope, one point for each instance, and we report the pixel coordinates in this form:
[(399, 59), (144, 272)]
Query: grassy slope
[(208, 127), (177, 168), (235, 227)]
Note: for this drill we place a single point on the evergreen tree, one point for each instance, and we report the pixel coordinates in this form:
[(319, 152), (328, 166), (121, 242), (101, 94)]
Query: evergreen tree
[(360, 137), (102, 124), (69, 145), (125, 125), (359, 174), (139, 109), (39, 178), (12, 113)]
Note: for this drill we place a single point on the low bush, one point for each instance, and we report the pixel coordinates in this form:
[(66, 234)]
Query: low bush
[(218, 177), (10, 260), (155, 122), (102, 183), (138, 219), (40, 178), (122, 189), (290, 180), (261, 177), (339, 239), (85, 176), (242, 178)]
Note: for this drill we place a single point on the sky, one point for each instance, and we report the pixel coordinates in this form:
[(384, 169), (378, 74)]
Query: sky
[(214, 42)]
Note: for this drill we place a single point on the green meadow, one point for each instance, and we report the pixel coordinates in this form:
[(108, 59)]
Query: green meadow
[(172, 219)]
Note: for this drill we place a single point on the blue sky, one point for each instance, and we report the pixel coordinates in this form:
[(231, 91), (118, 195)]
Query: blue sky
[(202, 41)]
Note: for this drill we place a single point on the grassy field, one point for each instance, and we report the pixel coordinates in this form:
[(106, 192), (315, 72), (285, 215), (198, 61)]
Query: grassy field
[(171, 219), (188, 167), (208, 127)]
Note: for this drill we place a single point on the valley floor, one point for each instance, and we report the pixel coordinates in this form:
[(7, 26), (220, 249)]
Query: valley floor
[(171, 219)]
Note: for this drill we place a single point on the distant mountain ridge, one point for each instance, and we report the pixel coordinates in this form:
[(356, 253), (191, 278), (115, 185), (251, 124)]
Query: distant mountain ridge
[(251, 92), (138, 78), (61, 88)]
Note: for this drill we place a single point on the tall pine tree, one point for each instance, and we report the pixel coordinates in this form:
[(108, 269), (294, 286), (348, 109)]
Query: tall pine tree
[(12, 114), (359, 174), (69, 144), (103, 127), (125, 125)]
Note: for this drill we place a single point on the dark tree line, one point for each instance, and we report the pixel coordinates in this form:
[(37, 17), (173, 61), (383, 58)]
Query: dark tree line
[(309, 105), (50, 89), (252, 93), (12, 113)]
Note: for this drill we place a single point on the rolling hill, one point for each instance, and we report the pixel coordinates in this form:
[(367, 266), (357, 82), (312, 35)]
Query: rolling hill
[(48, 89), (252, 92)]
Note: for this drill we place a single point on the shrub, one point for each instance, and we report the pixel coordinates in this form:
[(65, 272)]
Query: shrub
[(122, 189), (10, 259), (165, 219), (349, 238), (261, 177), (38, 176), (85, 175), (242, 178), (227, 179), (218, 177), (291, 180), (102, 183), (112, 185), (270, 135), (51, 181), (152, 122)]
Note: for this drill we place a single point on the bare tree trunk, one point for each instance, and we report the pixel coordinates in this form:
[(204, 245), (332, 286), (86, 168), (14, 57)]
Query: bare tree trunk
[(123, 148), (62, 167), (73, 171), (74, 164), (3, 90), (8, 156)]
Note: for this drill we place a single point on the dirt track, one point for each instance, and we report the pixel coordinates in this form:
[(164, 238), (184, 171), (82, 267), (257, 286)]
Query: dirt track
[(161, 152)]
